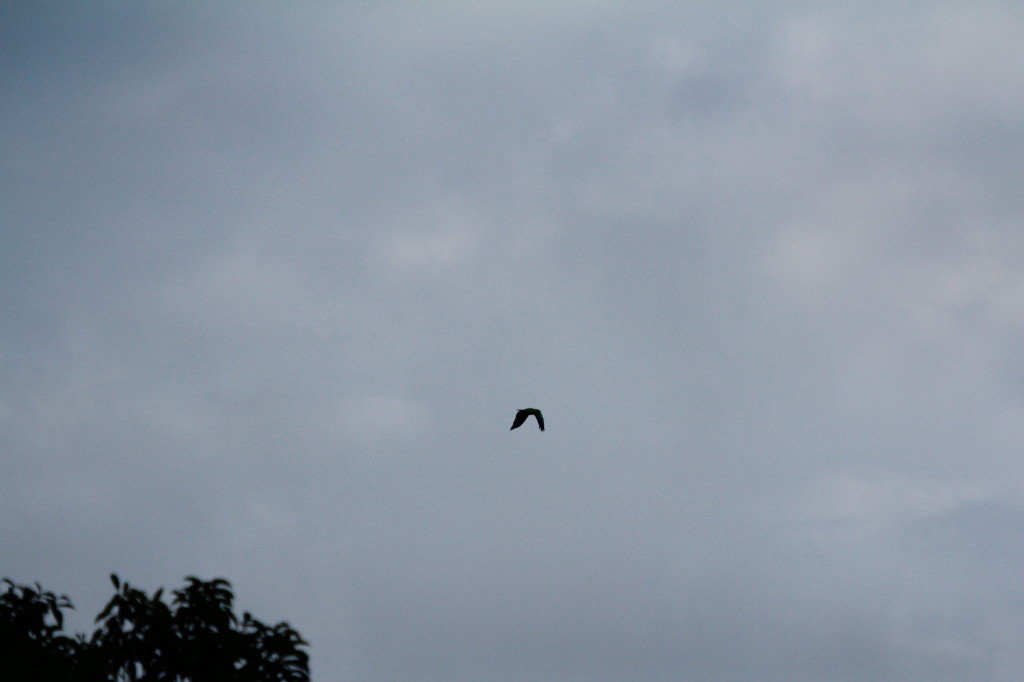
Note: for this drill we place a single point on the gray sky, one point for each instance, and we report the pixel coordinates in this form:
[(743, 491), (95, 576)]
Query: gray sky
[(276, 277)]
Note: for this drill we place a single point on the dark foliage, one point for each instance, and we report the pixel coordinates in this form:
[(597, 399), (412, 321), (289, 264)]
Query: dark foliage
[(141, 638)]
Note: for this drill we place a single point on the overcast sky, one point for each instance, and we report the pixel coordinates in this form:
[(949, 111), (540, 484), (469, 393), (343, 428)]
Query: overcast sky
[(274, 278)]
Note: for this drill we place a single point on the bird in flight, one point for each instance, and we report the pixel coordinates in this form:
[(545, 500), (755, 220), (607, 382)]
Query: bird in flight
[(521, 416)]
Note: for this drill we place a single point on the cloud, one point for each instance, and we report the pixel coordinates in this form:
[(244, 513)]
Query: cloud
[(278, 280)]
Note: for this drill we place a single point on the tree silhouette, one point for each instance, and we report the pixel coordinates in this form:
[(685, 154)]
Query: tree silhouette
[(138, 638)]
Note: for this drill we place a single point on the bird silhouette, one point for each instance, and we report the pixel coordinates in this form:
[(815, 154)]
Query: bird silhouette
[(521, 416)]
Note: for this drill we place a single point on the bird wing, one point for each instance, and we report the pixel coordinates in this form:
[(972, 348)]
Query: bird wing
[(518, 421), (540, 419)]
